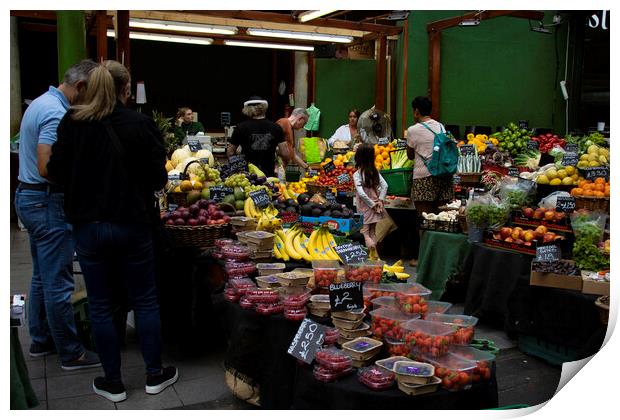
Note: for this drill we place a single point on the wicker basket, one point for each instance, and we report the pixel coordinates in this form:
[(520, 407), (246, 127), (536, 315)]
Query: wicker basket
[(197, 236), (592, 204), (450, 226), (180, 198)]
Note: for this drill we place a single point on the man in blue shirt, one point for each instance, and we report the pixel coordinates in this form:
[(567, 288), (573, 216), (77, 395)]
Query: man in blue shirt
[(39, 206)]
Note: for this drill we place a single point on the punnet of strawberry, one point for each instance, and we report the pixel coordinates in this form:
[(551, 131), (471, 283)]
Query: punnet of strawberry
[(483, 359), (456, 374), (387, 320), (413, 299), (427, 337), (462, 325)]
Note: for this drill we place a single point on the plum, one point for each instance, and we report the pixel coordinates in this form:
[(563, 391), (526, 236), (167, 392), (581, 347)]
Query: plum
[(193, 209), (179, 222)]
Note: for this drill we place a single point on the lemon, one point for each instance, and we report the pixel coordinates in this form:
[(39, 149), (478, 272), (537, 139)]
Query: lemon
[(575, 176), (602, 159), (603, 152), (570, 170), (562, 174), (542, 179), (584, 157), (593, 163), (555, 181), (582, 164), (197, 185), (551, 173), (567, 181), (186, 185), (177, 189), (593, 149)]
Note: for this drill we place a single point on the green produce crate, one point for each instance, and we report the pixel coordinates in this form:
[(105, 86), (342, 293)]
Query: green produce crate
[(552, 353), (292, 173), (399, 181)]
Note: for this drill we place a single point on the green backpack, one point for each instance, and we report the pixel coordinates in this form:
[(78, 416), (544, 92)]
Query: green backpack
[(445, 155)]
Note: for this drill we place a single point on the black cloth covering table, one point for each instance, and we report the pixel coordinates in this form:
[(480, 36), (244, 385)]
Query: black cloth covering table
[(348, 394), (499, 293)]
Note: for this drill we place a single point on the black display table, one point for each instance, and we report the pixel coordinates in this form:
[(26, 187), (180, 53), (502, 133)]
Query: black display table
[(348, 394)]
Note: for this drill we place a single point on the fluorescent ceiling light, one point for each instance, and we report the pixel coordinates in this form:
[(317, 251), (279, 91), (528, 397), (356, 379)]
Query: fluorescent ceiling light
[(470, 22), (182, 26), (266, 45), (313, 14), (167, 38), (299, 35)]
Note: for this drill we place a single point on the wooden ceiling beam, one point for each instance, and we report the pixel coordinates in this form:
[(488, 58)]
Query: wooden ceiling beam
[(35, 14), (442, 24), (196, 17)]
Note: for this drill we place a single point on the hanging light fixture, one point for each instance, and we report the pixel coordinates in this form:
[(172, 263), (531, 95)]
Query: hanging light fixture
[(166, 38), (310, 36), (268, 45), (313, 14), (181, 26)]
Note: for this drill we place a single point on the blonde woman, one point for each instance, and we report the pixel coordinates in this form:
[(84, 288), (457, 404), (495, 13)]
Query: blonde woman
[(109, 200)]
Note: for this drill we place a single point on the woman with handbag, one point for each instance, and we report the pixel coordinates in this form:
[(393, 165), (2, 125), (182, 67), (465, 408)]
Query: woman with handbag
[(110, 160)]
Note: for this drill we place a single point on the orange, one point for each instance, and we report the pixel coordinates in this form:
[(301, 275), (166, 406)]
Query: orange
[(607, 192), (599, 187), (582, 183), (588, 186), (576, 191), (589, 193), (599, 181), (599, 194)]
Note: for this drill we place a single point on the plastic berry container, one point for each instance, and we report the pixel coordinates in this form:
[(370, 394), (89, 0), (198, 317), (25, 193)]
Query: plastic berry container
[(388, 364), (362, 349), (383, 289), (295, 314), (222, 242), (269, 308), (236, 252), (331, 336), (427, 337), (455, 373), (326, 375), (333, 359), (413, 373), (367, 300), (295, 300), (241, 285), (246, 303), (436, 307), (320, 301), (462, 325), (395, 346), (267, 282), (231, 296), (483, 360), (293, 278), (239, 268), (413, 299), (384, 302), (367, 271), (375, 378), (262, 296), (325, 272), (270, 269), (389, 320)]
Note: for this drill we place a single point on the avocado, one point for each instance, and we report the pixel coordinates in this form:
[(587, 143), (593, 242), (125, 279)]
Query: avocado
[(337, 214), (291, 203), (325, 207), (306, 210), (303, 198), (316, 212), (336, 206), (327, 213), (230, 199)]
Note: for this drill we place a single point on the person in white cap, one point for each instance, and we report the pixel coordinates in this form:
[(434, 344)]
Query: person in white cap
[(259, 138)]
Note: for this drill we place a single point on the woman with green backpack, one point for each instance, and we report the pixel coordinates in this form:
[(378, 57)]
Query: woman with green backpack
[(435, 157)]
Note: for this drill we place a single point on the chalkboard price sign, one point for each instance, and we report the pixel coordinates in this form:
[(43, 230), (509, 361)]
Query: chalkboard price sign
[(172, 206), (597, 172), (312, 172), (467, 149), (330, 197), (456, 179), (260, 198), (570, 159), (174, 177), (401, 143), (218, 193), (383, 141), (513, 171), (343, 178), (533, 145), (572, 147), (237, 164), (548, 253), (346, 296), (565, 204), (351, 253), (307, 341), (194, 145), (329, 167)]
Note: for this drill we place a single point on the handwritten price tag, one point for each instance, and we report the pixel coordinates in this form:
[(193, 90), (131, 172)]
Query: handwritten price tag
[(260, 198), (346, 296), (548, 253), (570, 159), (401, 143), (467, 149), (351, 253), (572, 148), (307, 341), (329, 167), (194, 145), (218, 193), (597, 172), (513, 171), (343, 178), (532, 145), (565, 204)]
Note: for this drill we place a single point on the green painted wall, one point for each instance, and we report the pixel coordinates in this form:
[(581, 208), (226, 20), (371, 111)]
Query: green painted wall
[(340, 86), (491, 74)]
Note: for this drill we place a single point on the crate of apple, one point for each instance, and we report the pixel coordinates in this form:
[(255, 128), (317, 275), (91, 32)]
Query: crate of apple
[(202, 213), (526, 237)]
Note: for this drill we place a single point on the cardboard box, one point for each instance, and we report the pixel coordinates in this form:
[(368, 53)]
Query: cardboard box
[(591, 286), (559, 281)]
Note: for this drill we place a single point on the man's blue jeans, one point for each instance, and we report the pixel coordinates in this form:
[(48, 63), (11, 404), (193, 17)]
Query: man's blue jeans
[(51, 247), (109, 254)]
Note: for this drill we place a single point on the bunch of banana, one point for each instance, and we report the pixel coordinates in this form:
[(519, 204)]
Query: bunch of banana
[(321, 245), (268, 222), (287, 192), (250, 210), (253, 169), (398, 269), (291, 244)]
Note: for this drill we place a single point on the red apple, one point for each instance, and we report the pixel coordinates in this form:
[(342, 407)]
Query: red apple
[(509, 239), (192, 222), (528, 212), (516, 233), (170, 222), (226, 218), (527, 243), (519, 242), (505, 232), (497, 236), (548, 237), (529, 235), (559, 216), (202, 220)]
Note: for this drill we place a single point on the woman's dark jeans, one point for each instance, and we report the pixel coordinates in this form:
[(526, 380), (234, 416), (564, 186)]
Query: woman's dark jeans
[(112, 253)]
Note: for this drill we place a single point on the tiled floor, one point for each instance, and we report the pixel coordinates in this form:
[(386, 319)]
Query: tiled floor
[(201, 385)]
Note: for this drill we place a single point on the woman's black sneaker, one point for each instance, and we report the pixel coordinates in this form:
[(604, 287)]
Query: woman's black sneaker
[(40, 350), (157, 383), (113, 391)]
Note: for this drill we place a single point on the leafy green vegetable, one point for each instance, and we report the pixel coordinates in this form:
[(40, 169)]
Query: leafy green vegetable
[(400, 160), (588, 256)]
